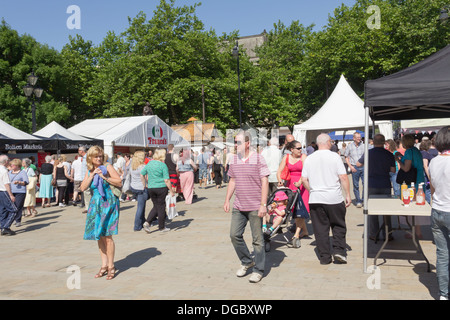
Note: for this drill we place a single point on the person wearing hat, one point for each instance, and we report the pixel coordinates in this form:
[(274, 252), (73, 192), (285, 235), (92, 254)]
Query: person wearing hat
[(277, 211)]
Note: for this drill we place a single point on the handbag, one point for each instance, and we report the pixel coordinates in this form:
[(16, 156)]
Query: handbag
[(116, 190), (407, 177), (171, 207), (300, 209), (285, 174)]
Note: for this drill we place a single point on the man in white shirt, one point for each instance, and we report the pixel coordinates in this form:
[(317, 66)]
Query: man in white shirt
[(323, 176), (77, 177), (272, 155), (120, 164), (7, 208), (86, 195)]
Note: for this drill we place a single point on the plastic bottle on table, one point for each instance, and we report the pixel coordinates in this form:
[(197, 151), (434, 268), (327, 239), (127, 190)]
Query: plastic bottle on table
[(412, 192), (420, 196), (403, 187)]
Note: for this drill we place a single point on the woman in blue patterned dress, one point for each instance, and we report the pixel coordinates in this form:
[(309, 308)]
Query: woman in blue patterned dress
[(102, 218)]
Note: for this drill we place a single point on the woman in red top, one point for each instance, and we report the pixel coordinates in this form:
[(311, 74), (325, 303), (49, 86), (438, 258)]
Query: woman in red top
[(295, 161)]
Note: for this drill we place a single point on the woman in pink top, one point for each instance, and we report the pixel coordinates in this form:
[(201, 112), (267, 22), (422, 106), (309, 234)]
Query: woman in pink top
[(295, 161)]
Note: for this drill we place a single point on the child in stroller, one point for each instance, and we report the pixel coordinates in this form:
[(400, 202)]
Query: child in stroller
[(277, 210), (287, 199)]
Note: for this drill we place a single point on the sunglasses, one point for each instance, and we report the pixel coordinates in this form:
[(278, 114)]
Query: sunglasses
[(299, 148)]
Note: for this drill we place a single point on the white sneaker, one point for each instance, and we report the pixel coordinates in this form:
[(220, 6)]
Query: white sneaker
[(339, 258), (255, 277), (146, 227), (443, 298), (243, 269), (62, 205), (164, 230)]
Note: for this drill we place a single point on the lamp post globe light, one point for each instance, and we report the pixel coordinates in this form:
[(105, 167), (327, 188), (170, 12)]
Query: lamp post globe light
[(33, 92), (236, 55)]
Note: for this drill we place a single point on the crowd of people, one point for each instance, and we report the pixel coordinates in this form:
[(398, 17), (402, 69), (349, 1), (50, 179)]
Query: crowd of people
[(316, 177), (319, 173)]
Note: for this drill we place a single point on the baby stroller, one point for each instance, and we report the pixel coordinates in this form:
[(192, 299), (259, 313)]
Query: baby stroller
[(290, 206)]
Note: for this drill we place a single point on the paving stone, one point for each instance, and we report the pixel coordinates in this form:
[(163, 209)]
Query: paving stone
[(196, 261)]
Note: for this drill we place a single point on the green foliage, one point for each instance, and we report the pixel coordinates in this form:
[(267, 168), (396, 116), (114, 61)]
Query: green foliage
[(167, 59), (409, 32)]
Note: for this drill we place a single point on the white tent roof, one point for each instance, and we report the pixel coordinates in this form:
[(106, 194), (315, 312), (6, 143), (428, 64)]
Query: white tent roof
[(343, 109), (7, 131), (54, 128), (425, 124), (143, 131)]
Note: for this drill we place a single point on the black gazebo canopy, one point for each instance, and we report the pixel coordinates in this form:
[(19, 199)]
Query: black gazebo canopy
[(418, 92)]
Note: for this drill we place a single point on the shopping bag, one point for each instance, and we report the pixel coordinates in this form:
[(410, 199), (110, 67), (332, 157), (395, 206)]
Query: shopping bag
[(171, 207), (126, 187), (300, 209)]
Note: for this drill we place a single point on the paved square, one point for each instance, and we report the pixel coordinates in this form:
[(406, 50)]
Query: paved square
[(195, 260)]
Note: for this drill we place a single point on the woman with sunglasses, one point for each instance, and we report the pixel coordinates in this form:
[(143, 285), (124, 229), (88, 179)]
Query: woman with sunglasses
[(102, 217), (295, 162)]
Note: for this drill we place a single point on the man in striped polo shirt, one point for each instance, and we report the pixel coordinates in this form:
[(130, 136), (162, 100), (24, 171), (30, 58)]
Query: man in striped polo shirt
[(249, 182)]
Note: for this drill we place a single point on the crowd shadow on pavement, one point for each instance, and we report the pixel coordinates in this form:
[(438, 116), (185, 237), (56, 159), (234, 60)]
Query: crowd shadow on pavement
[(136, 259), (38, 222)]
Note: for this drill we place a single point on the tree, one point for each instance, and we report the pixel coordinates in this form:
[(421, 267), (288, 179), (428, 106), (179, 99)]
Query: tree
[(19, 55), (277, 83), (164, 61), (409, 32)]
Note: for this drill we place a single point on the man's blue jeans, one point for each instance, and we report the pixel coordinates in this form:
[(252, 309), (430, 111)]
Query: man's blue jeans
[(440, 226), (239, 220), (359, 174)]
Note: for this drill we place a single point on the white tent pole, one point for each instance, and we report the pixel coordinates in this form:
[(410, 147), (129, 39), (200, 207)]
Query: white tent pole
[(366, 189)]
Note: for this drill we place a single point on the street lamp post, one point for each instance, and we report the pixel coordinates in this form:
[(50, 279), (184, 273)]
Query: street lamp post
[(30, 90), (236, 55)]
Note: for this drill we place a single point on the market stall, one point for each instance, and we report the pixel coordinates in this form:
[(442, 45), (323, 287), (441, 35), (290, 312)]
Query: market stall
[(130, 133), (418, 92)]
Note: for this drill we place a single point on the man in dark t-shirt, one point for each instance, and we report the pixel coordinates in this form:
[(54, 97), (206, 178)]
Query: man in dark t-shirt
[(381, 163)]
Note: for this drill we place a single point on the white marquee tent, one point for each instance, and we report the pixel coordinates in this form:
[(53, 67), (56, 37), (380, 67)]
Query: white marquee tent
[(343, 110), (143, 131), (13, 139), (65, 139), (7, 131), (424, 125), (54, 129)]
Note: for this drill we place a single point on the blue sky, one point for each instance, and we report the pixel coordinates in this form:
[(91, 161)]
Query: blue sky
[(46, 20)]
